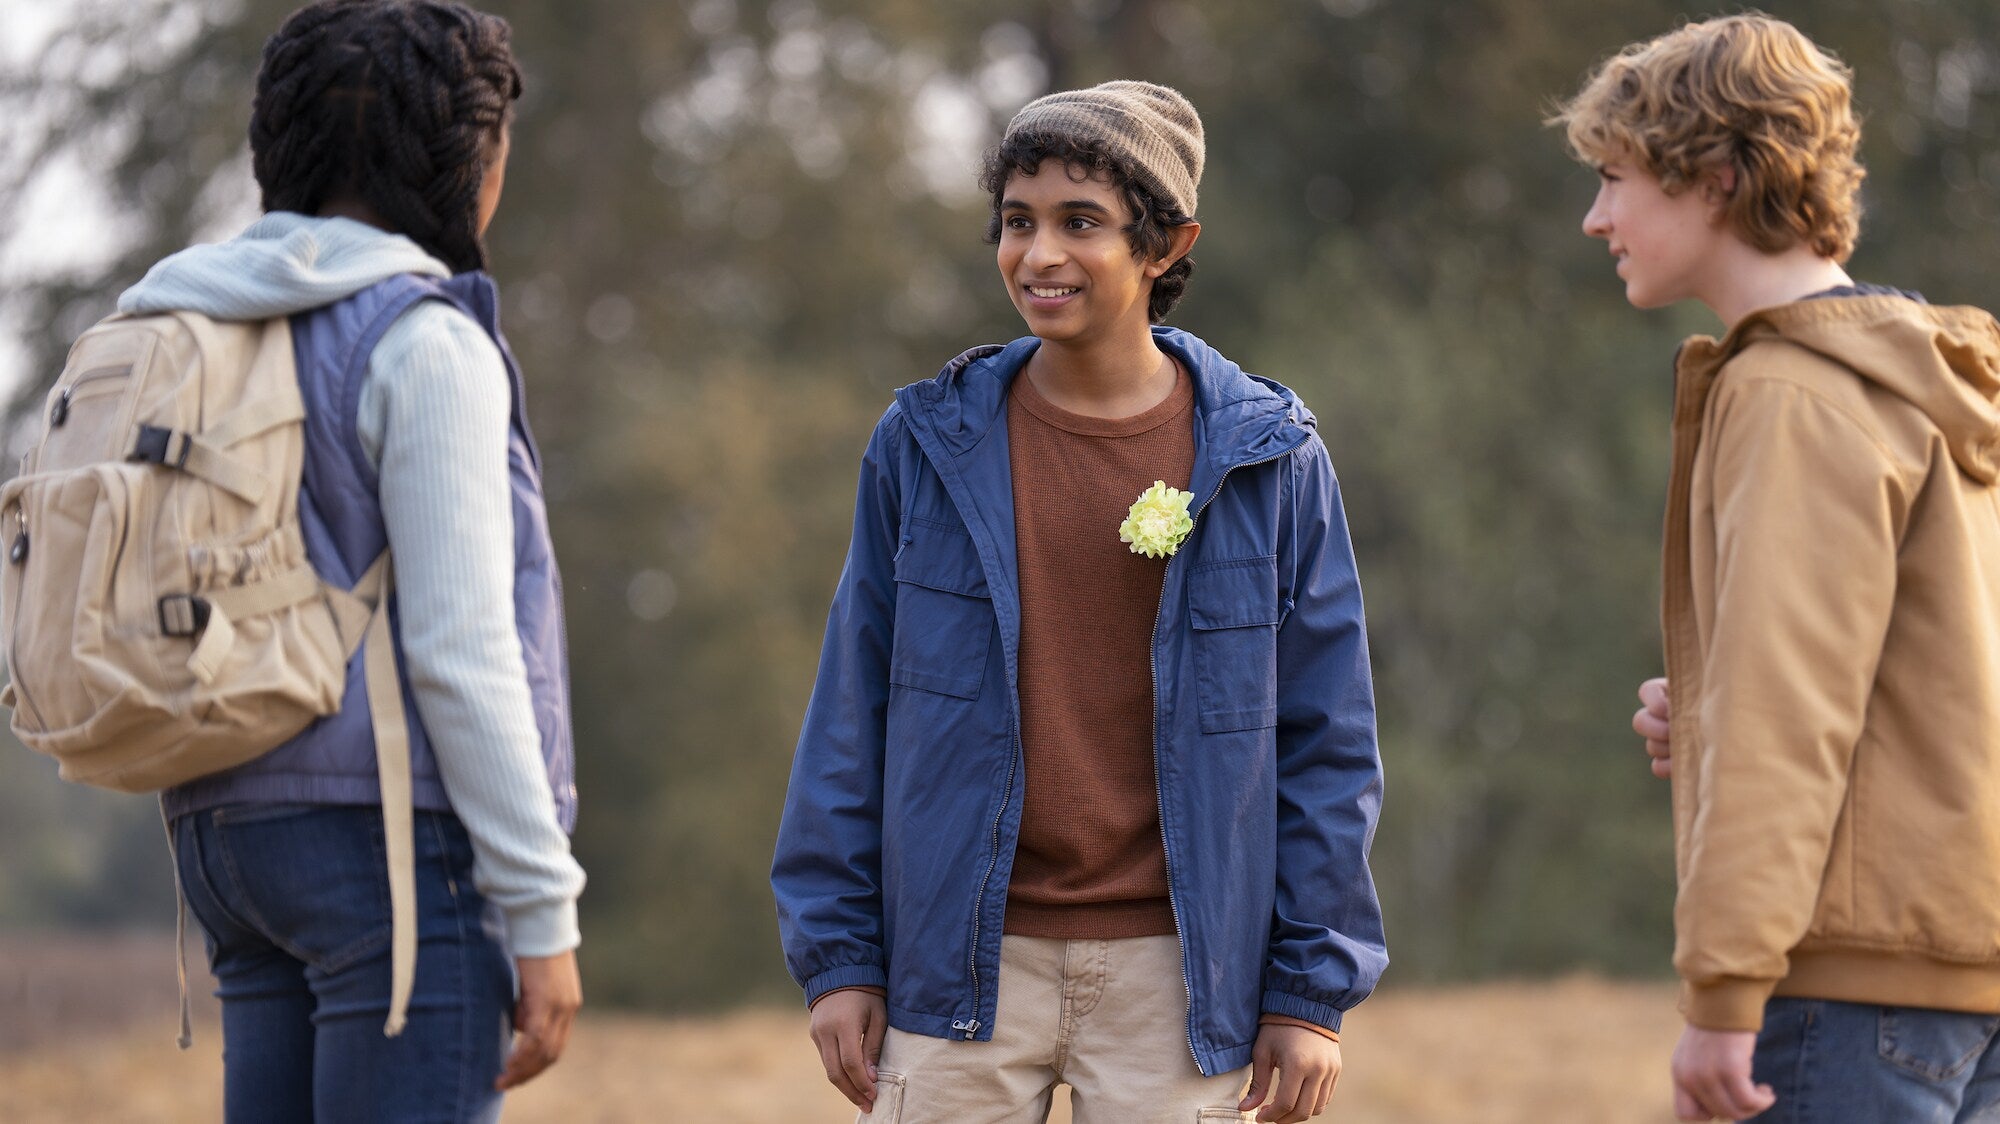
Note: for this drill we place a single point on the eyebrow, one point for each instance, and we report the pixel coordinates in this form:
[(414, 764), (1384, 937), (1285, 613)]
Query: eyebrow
[(1090, 205)]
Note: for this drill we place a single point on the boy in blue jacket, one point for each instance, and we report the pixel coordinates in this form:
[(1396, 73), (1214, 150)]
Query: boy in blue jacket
[(1093, 713)]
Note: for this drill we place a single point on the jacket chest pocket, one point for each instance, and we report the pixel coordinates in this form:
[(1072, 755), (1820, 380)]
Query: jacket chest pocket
[(944, 613), (1233, 617)]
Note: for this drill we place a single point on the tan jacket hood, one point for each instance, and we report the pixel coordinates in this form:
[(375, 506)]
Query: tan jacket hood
[(1943, 360)]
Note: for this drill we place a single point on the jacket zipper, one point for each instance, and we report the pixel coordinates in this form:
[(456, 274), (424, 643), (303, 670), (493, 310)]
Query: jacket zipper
[(1682, 650), (970, 1027), (1159, 789)]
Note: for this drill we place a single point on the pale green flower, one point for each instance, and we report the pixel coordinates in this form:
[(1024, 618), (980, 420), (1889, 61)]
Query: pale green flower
[(1158, 521)]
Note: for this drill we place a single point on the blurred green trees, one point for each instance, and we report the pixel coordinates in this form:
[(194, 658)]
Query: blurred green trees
[(731, 228)]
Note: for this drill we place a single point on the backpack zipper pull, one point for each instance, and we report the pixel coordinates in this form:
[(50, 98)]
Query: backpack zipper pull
[(18, 553), (60, 414)]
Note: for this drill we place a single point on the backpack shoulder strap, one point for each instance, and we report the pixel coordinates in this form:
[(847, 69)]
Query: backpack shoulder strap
[(385, 694), (362, 616)]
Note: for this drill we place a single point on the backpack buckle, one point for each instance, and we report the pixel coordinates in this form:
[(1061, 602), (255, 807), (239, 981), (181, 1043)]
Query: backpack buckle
[(182, 614), (155, 445)]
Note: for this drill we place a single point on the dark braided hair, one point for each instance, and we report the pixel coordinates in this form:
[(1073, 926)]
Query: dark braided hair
[(1149, 230), (400, 104)]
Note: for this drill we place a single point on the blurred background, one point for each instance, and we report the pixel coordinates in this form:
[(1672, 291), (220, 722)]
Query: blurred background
[(732, 227)]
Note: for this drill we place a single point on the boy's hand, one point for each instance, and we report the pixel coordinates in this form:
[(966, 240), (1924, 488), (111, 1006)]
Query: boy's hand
[(1308, 1064), (1651, 723), (1712, 1076), (551, 993), (848, 1027)]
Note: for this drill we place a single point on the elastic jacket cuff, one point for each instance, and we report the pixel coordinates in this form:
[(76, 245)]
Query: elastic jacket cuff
[(878, 992), (1299, 1007), (847, 975), (1270, 1019), (544, 929), (1732, 1004)]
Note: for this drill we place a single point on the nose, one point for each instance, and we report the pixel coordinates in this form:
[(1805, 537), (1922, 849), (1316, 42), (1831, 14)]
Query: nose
[(1045, 250), (1597, 220)]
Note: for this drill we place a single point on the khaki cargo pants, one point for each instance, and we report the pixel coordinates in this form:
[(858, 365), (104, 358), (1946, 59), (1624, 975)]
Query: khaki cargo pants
[(1108, 1018)]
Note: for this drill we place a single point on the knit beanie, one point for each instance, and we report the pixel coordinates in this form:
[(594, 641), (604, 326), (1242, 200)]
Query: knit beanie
[(1152, 129)]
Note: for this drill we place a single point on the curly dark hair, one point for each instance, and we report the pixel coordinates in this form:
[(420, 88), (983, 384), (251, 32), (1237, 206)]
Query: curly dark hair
[(398, 103), (1148, 233)]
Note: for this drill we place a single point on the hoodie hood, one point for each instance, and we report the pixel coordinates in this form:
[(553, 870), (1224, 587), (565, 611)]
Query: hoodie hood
[(282, 264), (1945, 361)]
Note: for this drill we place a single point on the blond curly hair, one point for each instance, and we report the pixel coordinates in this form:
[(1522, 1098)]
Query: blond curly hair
[(1749, 92)]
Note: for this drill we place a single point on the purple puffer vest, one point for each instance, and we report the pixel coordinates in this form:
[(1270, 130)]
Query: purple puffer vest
[(333, 760)]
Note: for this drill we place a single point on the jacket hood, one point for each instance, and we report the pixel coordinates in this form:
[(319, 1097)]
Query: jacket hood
[(282, 264), (1241, 418), (1945, 361)]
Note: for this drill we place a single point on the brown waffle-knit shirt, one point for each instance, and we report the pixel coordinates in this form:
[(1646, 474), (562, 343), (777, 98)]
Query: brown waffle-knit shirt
[(1090, 861)]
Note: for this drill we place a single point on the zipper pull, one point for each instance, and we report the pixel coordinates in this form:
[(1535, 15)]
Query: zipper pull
[(18, 553), (968, 1027), (60, 414)]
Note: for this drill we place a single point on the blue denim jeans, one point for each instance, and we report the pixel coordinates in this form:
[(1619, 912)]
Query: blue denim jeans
[(293, 901), (1852, 1063)]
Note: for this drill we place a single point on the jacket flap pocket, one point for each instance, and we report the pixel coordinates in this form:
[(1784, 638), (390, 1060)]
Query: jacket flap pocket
[(944, 613), (938, 558), (1239, 593)]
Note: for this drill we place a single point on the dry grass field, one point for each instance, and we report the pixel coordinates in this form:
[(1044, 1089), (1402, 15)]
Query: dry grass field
[(86, 1035)]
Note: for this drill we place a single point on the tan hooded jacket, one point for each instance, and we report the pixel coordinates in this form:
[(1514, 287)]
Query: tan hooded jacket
[(1832, 620)]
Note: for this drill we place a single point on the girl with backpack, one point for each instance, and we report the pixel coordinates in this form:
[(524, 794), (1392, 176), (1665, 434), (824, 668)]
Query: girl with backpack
[(379, 136)]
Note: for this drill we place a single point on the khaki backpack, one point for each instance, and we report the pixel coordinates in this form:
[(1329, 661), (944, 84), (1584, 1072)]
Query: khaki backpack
[(161, 619)]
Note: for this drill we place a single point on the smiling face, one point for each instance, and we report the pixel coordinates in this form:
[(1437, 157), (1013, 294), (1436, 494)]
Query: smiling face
[(1667, 245), (1069, 266)]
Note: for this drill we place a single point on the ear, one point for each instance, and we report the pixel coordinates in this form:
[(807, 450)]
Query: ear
[(1718, 185), (1180, 240)]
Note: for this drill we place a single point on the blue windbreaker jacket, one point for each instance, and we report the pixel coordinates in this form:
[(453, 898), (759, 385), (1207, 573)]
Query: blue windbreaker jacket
[(898, 835)]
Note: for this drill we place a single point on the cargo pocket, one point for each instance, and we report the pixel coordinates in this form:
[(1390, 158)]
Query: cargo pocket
[(944, 613), (889, 1090), (1233, 614)]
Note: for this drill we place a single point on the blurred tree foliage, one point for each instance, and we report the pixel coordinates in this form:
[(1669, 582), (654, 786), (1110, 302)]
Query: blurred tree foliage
[(732, 227)]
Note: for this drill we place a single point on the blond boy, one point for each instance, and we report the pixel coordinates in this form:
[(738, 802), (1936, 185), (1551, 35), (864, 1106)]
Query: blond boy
[(1832, 598)]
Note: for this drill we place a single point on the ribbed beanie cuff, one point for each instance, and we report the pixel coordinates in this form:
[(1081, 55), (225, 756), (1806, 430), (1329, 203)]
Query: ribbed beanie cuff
[(1151, 128)]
